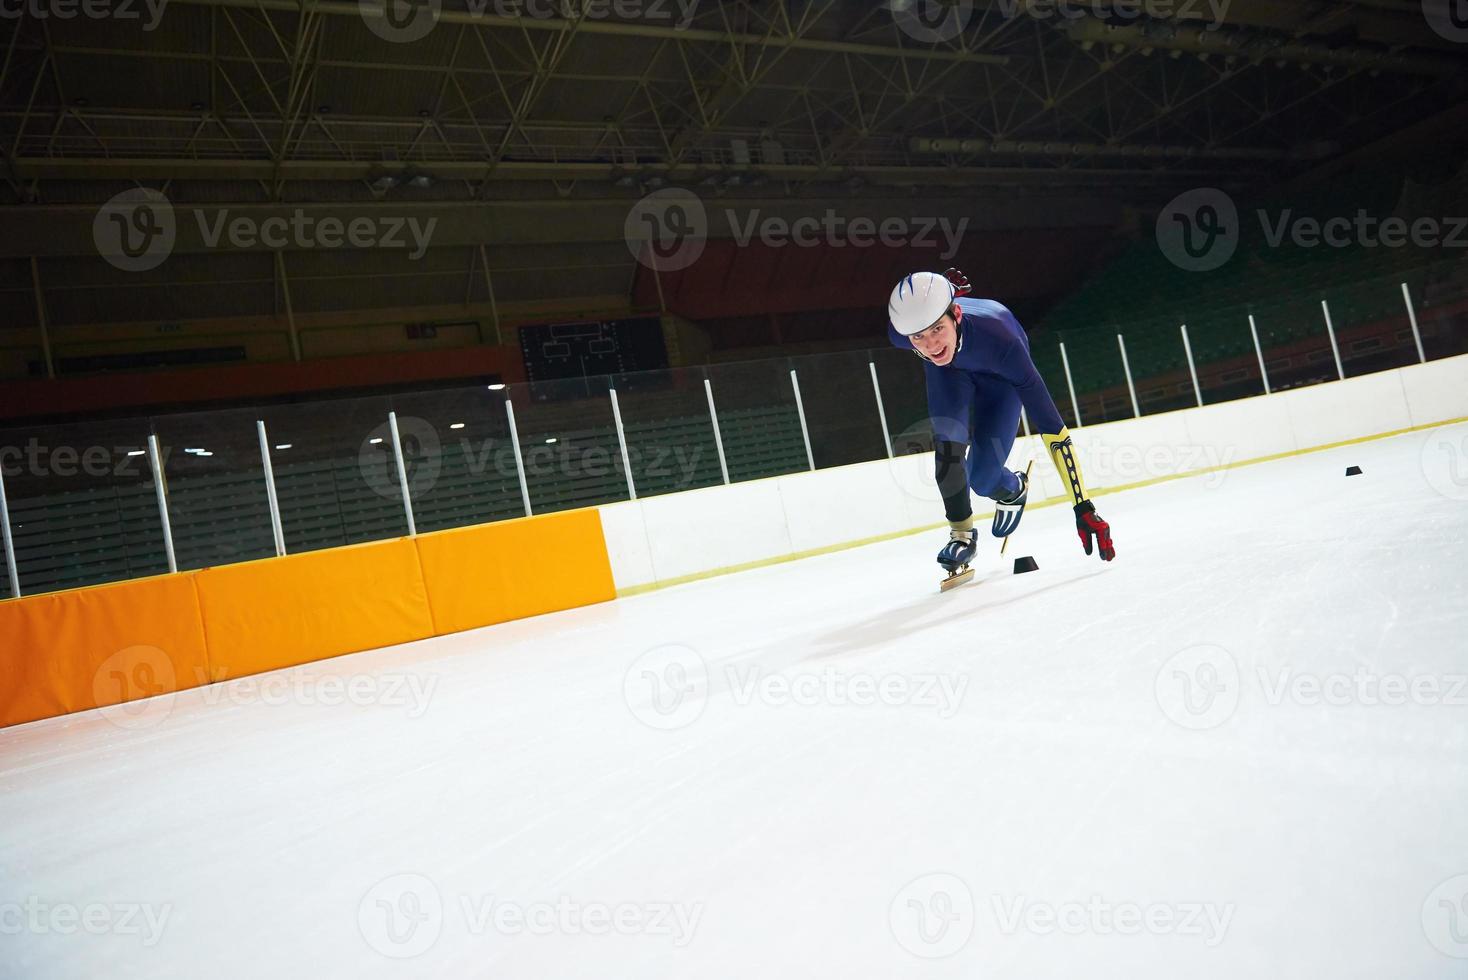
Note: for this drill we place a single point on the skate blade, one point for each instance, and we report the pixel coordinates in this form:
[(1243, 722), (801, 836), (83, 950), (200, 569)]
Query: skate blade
[(956, 579)]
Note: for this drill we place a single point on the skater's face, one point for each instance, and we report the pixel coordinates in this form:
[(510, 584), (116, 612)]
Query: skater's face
[(939, 343)]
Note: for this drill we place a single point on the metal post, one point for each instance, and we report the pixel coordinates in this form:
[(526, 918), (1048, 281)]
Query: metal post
[(397, 451), (881, 412), (275, 526), (519, 459), (494, 309), (1126, 366), (1192, 367), (1259, 352), (1334, 349), (1416, 333), (156, 463), (708, 389), (622, 441), (657, 281), (290, 310), (1070, 383), (9, 542), (800, 408), (41, 318)]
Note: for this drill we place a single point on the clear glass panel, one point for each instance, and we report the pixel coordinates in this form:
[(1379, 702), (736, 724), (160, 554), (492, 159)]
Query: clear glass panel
[(758, 419), (568, 441), (670, 437), (1045, 352), (83, 509), (218, 505), (1099, 378), (1296, 345), (1223, 348), (1159, 365), (1371, 325), (459, 456), (905, 398), (335, 473), (1440, 295), (840, 408)]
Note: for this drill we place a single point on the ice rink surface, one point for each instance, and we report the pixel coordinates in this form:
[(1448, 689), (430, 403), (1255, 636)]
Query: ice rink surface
[(1241, 750)]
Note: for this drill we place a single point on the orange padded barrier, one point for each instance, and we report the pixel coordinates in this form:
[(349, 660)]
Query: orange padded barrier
[(280, 612), (100, 646), (94, 647), (477, 576)]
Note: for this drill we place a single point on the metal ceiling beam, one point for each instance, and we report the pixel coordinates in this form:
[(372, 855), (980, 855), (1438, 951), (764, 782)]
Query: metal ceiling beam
[(116, 168), (620, 29)]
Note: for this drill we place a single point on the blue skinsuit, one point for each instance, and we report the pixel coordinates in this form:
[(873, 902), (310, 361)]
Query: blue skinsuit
[(975, 400)]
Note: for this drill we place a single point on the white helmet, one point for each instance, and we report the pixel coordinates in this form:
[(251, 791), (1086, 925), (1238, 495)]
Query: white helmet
[(919, 301)]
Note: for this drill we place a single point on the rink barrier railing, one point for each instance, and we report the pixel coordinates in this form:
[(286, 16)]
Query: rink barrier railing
[(281, 540), (784, 518), (106, 645)]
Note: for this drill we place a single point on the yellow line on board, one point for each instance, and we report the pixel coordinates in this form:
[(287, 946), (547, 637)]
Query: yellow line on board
[(1048, 502)]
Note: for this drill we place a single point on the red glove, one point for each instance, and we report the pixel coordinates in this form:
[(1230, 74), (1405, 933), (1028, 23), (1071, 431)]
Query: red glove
[(1090, 525), (960, 282)]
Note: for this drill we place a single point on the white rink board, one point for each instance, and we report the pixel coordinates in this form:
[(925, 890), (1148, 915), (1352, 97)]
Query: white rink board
[(830, 508), (1089, 743)]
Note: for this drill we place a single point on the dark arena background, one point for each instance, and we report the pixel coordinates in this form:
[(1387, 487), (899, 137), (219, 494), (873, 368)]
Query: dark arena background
[(464, 515)]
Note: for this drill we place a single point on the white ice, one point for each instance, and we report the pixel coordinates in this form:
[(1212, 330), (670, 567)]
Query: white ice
[(1241, 750)]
